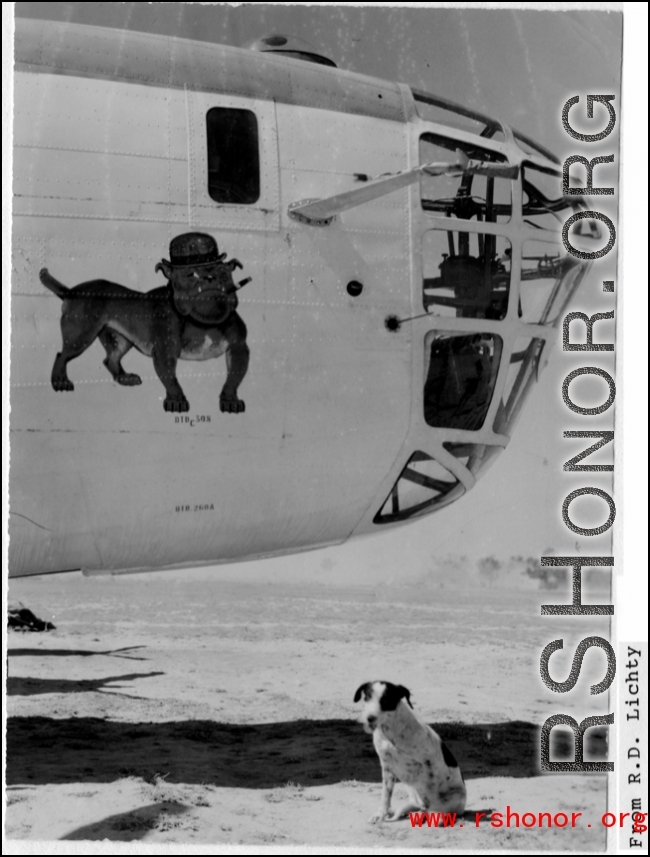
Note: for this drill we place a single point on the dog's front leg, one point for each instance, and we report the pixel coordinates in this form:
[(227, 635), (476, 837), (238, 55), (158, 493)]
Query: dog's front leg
[(237, 357), (164, 362), (388, 780)]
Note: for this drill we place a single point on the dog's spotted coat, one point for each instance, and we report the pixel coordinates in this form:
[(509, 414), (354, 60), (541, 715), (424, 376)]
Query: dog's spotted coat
[(410, 751)]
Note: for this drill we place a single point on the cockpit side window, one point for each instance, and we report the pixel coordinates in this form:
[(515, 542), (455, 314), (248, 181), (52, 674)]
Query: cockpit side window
[(466, 196), (233, 156), (466, 274)]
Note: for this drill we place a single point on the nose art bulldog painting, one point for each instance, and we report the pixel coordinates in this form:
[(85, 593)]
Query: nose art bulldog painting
[(193, 317)]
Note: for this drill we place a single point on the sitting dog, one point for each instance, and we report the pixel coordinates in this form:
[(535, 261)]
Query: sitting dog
[(191, 318), (409, 751)]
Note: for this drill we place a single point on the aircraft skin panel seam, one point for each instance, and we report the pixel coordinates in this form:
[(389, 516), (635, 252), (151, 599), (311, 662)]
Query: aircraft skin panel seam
[(104, 151), (181, 220)]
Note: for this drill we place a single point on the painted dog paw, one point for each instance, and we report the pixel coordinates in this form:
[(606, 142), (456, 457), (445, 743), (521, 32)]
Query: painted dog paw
[(129, 379), (231, 406), (62, 385), (176, 404)]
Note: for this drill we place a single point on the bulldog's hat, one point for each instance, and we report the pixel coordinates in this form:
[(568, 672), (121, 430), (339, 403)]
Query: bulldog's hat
[(194, 248)]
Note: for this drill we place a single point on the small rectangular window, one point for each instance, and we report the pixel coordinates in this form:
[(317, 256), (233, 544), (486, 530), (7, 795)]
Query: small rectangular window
[(233, 156), (461, 374)]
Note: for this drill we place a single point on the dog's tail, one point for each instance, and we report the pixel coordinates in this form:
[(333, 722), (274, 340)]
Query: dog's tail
[(53, 284)]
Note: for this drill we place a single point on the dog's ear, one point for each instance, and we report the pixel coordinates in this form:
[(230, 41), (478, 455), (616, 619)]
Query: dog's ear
[(362, 689), (406, 693), (391, 697), (165, 267)]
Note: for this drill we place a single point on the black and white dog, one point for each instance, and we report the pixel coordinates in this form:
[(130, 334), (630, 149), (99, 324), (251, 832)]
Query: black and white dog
[(409, 751)]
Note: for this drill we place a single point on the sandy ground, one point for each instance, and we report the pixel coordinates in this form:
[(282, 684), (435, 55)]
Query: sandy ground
[(165, 709)]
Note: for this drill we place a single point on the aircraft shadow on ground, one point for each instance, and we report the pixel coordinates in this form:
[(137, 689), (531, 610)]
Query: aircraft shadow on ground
[(132, 825), (83, 653), (307, 752), (19, 686)]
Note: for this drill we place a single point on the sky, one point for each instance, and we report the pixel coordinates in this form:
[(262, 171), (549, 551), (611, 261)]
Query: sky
[(519, 66)]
